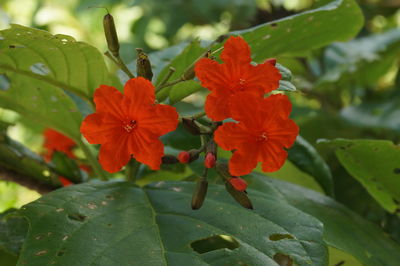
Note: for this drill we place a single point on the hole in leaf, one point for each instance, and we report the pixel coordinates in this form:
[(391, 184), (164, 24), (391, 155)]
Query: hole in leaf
[(213, 243), (4, 82), (77, 217), (40, 69), (396, 171), (60, 253), (277, 237), (273, 25), (282, 259)]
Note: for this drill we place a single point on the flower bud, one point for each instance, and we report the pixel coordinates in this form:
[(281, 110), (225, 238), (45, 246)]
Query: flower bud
[(209, 161), (143, 65), (199, 194), (191, 126), (272, 61), (184, 157), (239, 196), (65, 182), (111, 34), (238, 183), (169, 159)]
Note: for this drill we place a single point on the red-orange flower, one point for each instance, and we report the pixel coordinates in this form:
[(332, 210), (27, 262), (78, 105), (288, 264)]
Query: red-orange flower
[(236, 74), (129, 125), (65, 182), (263, 131), (55, 141)]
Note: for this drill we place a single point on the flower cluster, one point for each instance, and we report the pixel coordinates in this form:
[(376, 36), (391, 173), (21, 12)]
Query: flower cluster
[(129, 125), (263, 127)]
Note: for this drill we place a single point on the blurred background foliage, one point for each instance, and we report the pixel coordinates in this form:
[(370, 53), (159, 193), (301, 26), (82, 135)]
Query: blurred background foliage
[(345, 90)]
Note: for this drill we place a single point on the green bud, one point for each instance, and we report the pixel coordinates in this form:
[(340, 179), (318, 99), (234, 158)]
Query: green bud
[(143, 65), (240, 196), (199, 194), (111, 34)]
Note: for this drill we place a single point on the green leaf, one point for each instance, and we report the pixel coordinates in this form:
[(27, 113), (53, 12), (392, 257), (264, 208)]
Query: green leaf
[(13, 229), (381, 114), (337, 256), (115, 223), (306, 158), (339, 20), (180, 63), (40, 68), (285, 85), (343, 229), (363, 60), (182, 90), (375, 164)]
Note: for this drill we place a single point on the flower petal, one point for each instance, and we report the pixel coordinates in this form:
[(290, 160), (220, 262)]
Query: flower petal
[(114, 154), (244, 161), (146, 150), (231, 136), (108, 100), (217, 105), (283, 131), (211, 74), (275, 106), (263, 76), (139, 91), (159, 119), (273, 156), (236, 51), (245, 108), (97, 127)]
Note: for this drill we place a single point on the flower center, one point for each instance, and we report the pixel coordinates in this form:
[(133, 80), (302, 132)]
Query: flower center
[(262, 137), (241, 83), (129, 126)]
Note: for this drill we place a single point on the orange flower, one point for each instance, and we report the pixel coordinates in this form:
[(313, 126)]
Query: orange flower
[(236, 74), (263, 131), (55, 141), (129, 125), (65, 182)]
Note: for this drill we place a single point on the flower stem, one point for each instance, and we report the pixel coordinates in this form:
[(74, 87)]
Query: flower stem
[(171, 71), (131, 170), (92, 161), (118, 61)]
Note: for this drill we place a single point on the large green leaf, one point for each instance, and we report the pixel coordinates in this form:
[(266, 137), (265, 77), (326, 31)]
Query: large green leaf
[(40, 68), (343, 229), (339, 20), (376, 165), (13, 229), (117, 223), (306, 157), (375, 114), (363, 60)]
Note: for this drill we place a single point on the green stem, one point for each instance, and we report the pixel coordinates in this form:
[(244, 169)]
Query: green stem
[(120, 64), (171, 71), (92, 161), (131, 170), (124, 68), (169, 84)]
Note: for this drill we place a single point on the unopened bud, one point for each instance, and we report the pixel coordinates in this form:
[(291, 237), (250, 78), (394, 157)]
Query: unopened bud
[(272, 61), (238, 183), (223, 171), (143, 65), (240, 196), (189, 72), (111, 34), (184, 157), (209, 161), (199, 194), (65, 182), (169, 159), (191, 126)]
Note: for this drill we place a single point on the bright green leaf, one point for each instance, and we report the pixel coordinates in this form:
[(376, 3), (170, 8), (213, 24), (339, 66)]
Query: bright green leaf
[(375, 164), (182, 90), (40, 68), (339, 20)]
